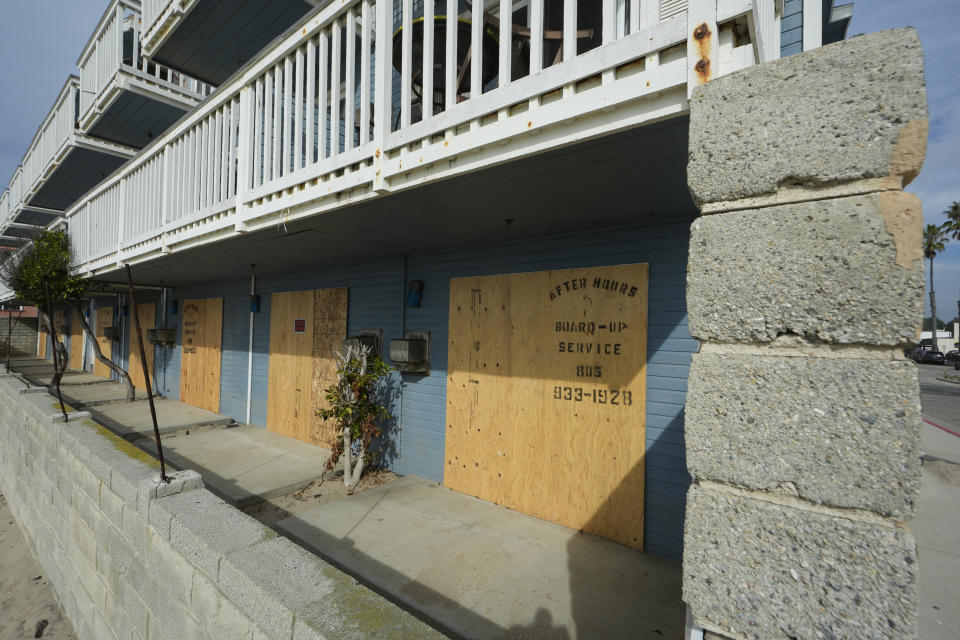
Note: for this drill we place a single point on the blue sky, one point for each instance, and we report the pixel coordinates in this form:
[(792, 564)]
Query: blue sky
[(40, 41)]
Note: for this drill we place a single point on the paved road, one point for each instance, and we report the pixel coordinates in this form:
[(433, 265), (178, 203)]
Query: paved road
[(937, 526), (941, 400)]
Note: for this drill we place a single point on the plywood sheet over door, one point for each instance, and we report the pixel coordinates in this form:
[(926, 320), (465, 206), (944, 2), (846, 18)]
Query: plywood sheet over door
[(306, 327), (147, 314), (546, 395), (200, 353), (104, 320), (42, 340), (76, 341)]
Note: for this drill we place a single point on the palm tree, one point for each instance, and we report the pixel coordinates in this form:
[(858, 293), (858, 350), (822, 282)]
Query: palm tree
[(952, 225), (934, 241)]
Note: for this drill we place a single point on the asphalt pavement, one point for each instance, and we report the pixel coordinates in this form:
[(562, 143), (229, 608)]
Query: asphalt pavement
[(937, 525)]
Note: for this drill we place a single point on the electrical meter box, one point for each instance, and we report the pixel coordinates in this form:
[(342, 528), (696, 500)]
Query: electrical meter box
[(370, 338), (162, 337), (113, 333), (412, 353)]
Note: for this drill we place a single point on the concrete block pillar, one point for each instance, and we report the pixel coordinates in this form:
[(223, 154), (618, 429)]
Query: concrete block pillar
[(805, 281)]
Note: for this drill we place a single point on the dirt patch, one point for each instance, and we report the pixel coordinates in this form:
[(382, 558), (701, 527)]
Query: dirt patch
[(26, 598), (318, 492)]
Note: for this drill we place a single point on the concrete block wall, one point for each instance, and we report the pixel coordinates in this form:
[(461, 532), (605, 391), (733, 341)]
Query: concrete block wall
[(805, 280), (132, 558), (23, 339)]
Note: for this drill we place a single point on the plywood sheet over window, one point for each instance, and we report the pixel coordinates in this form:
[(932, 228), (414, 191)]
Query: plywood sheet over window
[(546, 395), (104, 320), (200, 355), (306, 327), (147, 314), (76, 341)]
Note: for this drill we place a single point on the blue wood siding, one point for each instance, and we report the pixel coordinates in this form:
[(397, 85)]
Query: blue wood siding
[(376, 294), (791, 28)]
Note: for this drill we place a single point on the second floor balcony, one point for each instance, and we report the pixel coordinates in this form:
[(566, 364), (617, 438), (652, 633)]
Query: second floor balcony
[(60, 165), (211, 39), (125, 98), (367, 98)]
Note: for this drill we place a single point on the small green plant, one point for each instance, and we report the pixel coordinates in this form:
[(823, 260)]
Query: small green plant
[(356, 410)]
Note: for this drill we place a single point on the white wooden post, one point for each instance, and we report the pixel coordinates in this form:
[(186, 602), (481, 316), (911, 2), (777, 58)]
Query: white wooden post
[(119, 203), (476, 48), (812, 23), (569, 30), (350, 94), (406, 63), (450, 59), (426, 99), (702, 47), (247, 117), (285, 109), (366, 43), (311, 99), (506, 32), (536, 36), (382, 93)]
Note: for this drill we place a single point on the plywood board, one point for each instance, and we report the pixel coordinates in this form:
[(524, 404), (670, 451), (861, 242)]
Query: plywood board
[(305, 329), (546, 395), (147, 313), (76, 341), (42, 340), (201, 353), (104, 320), (329, 331)]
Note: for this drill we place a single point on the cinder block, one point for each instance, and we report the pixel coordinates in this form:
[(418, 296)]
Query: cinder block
[(761, 570), (845, 270), (170, 568), (271, 580), (111, 506), (221, 618), (177, 482), (204, 528), (843, 432), (117, 619), (76, 415), (134, 608), (134, 529), (352, 611), (851, 110), (121, 563), (171, 619)]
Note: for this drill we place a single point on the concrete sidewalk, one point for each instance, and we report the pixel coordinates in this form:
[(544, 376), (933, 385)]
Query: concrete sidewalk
[(481, 571), (243, 465), (937, 525), (937, 529)]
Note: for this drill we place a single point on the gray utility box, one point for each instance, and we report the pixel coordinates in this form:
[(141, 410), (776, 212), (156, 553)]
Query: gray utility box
[(412, 353), (162, 337), (370, 338), (113, 333)]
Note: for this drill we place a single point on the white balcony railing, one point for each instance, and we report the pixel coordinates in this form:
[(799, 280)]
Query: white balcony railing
[(327, 117), (4, 207), (106, 56), (152, 10), (52, 136), (16, 188)]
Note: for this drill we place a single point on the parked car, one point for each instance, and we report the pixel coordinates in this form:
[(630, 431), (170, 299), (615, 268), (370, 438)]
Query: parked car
[(952, 358), (931, 356)]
